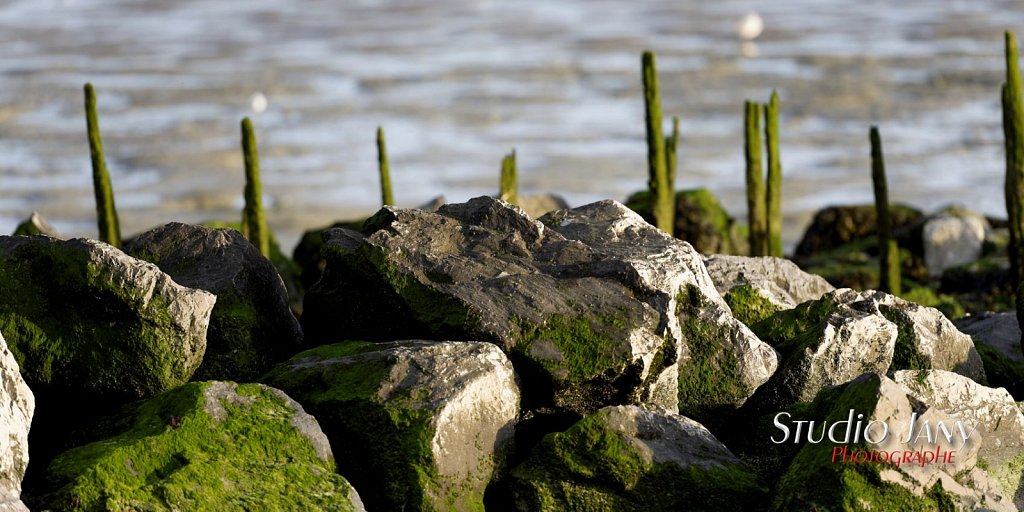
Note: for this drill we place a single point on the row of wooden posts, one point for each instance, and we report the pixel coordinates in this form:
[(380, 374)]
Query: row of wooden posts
[(764, 205)]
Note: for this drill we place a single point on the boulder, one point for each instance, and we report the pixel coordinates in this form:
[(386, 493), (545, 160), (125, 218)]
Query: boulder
[(629, 458), (81, 315), (700, 220), (997, 337), (836, 226), (251, 326), (756, 287), (894, 455), (35, 224), (288, 269), (416, 425), (991, 414), (951, 239), (204, 446), (536, 206), (584, 301), (16, 407), (846, 333)]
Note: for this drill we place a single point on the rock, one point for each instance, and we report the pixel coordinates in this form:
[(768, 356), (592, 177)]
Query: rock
[(205, 446), (251, 326), (820, 478), (17, 405), (35, 225), (748, 282), (307, 252), (82, 315), (847, 333), (415, 424), (628, 458), (584, 301), (700, 220), (997, 337), (537, 206), (951, 239), (991, 414), (835, 226)]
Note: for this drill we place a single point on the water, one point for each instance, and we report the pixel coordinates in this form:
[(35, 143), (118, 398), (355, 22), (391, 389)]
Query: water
[(458, 83)]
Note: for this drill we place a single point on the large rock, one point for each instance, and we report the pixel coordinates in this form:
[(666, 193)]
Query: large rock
[(204, 446), (846, 333), (756, 287), (251, 326), (997, 337), (416, 425), (35, 224), (951, 239), (82, 315), (16, 407), (583, 301), (991, 413), (904, 462), (835, 226), (628, 458)]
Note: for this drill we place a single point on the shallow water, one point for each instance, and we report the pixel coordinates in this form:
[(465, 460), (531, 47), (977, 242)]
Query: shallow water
[(458, 83)]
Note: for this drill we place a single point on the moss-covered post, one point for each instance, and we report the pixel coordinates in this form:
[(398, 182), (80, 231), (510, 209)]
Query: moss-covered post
[(774, 199), (106, 212), (662, 203), (254, 221), (756, 208), (508, 188), (671, 155), (386, 197), (888, 250), (1013, 132)]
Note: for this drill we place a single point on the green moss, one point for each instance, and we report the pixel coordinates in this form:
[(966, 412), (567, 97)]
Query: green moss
[(700, 220), (748, 305), (925, 296), (176, 456), (587, 345), (906, 355), (793, 330), (1002, 372)]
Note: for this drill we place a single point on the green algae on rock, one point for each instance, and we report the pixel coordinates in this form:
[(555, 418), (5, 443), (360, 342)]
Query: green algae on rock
[(415, 425), (700, 220), (629, 458), (251, 326), (205, 446), (83, 315)]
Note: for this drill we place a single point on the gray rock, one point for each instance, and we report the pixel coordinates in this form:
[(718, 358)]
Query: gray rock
[(990, 414), (82, 315), (629, 458), (778, 280), (414, 424), (820, 478), (205, 446), (1000, 331), (251, 326), (17, 404), (953, 238), (585, 301), (537, 206), (36, 225)]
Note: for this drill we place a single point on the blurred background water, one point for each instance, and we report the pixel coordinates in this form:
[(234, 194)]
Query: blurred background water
[(458, 83)]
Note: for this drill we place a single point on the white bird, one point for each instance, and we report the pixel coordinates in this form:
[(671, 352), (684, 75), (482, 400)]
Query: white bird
[(750, 26), (259, 102)]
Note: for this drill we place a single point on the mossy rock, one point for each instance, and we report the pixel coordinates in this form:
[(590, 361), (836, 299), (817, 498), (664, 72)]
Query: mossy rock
[(981, 286), (35, 225), (700, 220), (1002, 372), (307, 253), (748, 305), (290, 272), (415, 425), (836, 226), (928, 297), (629, 459), (204, 446)]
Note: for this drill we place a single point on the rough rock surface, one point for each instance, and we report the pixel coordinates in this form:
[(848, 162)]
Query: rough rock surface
[(83, 315), (16, 407), (251, 326), (416, 425), (997, 337), (629, 458), (815, 481), (700, 220), (838, 225), (991, 413), (204, 446), (951, 240), (584, 301), (35, 224), (756, 287)]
